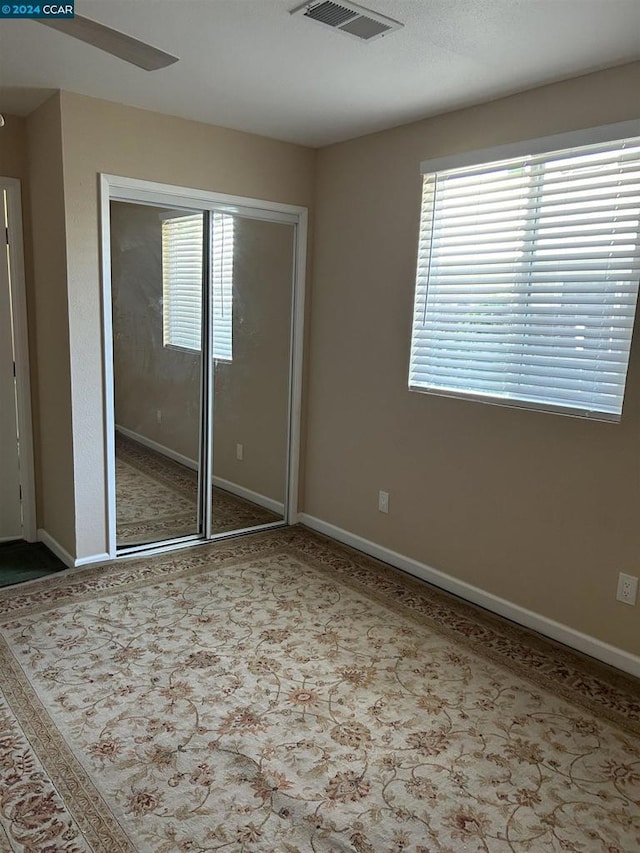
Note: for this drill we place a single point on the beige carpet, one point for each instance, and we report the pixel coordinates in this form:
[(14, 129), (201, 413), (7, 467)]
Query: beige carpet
[(278, 692), (156, 499)]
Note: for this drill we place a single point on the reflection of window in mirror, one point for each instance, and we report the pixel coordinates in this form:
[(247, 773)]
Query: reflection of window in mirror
[(182, 282)]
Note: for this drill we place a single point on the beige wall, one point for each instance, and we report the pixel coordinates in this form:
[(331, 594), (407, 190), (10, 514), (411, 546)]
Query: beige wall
[(13, 148), (539, 509), (250, 401), (49, 327), (100, 136)]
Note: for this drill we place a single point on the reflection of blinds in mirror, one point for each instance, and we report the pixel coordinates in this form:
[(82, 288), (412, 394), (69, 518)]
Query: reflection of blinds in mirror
[(182, 240), (222, 278)]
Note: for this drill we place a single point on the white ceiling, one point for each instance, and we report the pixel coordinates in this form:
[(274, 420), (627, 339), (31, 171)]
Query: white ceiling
[(249, 65)]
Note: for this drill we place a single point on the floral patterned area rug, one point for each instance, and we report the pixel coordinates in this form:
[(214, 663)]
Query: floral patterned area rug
[(156, 498), (280, 692)]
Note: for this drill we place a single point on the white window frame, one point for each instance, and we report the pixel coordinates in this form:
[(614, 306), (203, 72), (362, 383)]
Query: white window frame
[(222, 248), (535, 147)]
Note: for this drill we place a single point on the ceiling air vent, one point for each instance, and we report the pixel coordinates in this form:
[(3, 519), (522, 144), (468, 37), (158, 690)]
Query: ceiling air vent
[(349, 18)]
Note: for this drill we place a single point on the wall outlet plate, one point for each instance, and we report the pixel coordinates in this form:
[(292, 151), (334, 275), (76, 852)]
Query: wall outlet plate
[(627, 588), (383, 501)]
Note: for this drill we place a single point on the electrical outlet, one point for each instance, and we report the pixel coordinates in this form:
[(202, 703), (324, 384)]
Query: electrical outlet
[(383, 501), (158, 416), (239, 452), (627, 588)]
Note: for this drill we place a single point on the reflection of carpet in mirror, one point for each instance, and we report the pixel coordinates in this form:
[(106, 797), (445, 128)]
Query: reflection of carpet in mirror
[(156, 499)]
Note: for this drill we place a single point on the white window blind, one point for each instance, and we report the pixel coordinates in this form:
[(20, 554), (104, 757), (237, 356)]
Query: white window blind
[(182, 241), (527, 280)]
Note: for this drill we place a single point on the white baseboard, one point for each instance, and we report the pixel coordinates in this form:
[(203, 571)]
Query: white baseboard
[(249, 495), (93, 559), (219, 482), (62, 554), (53, 545), (159, 448), (584, 643)]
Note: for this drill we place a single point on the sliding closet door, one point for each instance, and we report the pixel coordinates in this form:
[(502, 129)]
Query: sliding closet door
[(156, 286), (252, 301), (205, 293)]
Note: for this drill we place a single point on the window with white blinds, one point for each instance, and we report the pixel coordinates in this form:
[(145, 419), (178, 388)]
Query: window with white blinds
[(182, 242), (527, 280)]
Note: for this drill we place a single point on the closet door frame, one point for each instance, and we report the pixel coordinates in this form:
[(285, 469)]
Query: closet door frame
[(118, 188)]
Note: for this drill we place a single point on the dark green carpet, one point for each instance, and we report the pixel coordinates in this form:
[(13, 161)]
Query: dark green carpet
[(24, 561)]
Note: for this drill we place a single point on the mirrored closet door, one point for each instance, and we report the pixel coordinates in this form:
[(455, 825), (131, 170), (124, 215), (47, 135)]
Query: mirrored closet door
[(251, 333), (202, 322), (156, 289)]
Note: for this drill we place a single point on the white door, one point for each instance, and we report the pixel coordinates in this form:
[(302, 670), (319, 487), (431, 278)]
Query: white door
[(16, 455), (10, 503)]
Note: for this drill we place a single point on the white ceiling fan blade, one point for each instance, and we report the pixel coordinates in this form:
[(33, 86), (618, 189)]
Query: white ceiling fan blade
[(112, 41)]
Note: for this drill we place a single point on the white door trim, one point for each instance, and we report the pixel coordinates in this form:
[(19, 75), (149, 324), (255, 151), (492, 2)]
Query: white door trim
[(21, 354), (116, 188)]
